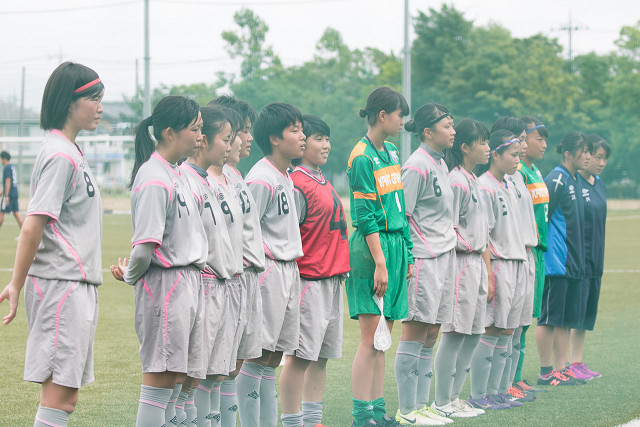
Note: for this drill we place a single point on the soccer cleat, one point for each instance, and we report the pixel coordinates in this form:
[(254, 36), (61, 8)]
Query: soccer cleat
[(526, 386), (488, 404), (387, 422), (579, 374), (463, 405), (588, 371), (416, 418), (369, 423), (430, 413), (569, 373), (556, 378), (503, 398), (320, 425), (451, 411), (519, 395)]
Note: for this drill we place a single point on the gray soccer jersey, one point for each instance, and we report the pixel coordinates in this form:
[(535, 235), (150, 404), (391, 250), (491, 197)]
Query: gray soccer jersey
[(505, 240), (219, 256), (64, 189), (253, 249), (528, 227), (232, 214), (429, 203), (469, 212), (273, 193), (164, 211)]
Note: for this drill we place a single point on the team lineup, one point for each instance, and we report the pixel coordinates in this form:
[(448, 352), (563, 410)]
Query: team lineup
[(230, 274)]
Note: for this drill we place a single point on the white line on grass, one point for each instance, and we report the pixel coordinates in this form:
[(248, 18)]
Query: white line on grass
[(622, 218)]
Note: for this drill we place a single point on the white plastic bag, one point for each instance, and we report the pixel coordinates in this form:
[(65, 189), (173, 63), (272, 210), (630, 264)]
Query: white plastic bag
[(382, 337)]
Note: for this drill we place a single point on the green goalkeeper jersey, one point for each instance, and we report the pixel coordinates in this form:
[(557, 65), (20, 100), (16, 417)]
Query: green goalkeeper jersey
[(540, 196)]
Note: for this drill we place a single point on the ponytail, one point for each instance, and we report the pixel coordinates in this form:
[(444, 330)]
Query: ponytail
[(144, 146), (468, 131), (383, 99), (426, 116), (572, 142)]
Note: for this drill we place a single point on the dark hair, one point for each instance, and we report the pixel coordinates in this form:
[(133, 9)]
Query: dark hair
[(496, 139), (314, 125), (175, 112), (272, 120), (596, 142), (425, 117), (5, 155), (512, 124), (468, 131), (383, 99), (530, 122), (213, 121), (234, 118), (241, 107), (59, 93), (573, 142)]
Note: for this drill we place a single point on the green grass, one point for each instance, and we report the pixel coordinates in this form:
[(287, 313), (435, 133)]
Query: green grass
[(112, 400)]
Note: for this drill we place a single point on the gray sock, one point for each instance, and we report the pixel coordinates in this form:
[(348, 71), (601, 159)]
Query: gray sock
[(214, 404), (481, 365), (46, 417), (425, 373), (445, 366), (202, 401), (181, 416), (312, 413), (463, 364), (190, 408), (228, 404), (151, 406), (268, 398), (248, 389), (406, 367), (292, 420), (515, 353), (170, 413), (504, 381), (500, 356)]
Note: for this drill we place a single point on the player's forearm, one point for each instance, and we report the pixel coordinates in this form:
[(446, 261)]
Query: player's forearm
[(30, 237), (373, 241), (7, 186), (139, 262), (486, 257)]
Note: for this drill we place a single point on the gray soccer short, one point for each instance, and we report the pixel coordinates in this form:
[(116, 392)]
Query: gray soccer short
[(470, 295), (169, 320), (321, 319), (280, 291), (505, 309), (62, 317), (431, 289), (222, 313), (236, 304), (528, 278), (251, 317)]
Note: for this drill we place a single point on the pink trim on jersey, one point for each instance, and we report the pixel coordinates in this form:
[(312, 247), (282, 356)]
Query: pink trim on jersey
[(249, 375), (307, 172), (412, 222), (264, 159), (158, 184), (267, 251), (429, 156), (455, 304), (161, 258), (304, 292), (175, 171), (487, 189), (139, 242), (417, 275), (152, 403), (264, 183), (236, 171), (464, 241), (464, 187), (193, 172), (70, 248), (68, 157), (166, 306), (50, 215), (503, 184), (493, 250), (199, 199), (146, 288), (58, 310), (264, 275), (36, 287), (471, 175), (420, 171), (47, 423)]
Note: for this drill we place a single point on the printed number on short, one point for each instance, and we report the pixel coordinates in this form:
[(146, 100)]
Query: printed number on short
[(207, 205), (226, 209), (91, 190), (436, 188), (341, 223), (283, 204)]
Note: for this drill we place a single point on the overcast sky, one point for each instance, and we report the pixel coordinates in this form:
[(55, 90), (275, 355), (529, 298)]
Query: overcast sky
[(187, 47)]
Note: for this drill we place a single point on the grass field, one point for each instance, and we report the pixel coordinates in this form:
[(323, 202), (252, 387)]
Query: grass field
[(112, 400)]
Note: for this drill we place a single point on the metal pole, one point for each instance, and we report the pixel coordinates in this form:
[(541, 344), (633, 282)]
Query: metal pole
[(21, 127), (146, 110), (406, 79)]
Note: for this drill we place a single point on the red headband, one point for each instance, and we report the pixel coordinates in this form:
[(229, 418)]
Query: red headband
[(87, 86)]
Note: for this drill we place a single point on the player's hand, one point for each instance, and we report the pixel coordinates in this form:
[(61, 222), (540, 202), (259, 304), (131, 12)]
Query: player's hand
[(13, 296), (380, 280), (118, 270), (491, 292), (409, 271)]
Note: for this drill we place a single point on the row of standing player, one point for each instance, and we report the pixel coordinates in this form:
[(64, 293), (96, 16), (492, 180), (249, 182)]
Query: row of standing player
[(478, 246)]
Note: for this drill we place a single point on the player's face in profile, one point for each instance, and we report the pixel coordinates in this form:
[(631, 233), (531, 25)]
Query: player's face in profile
[(189, 138), (246, 138), (235, 150), (292, 143), (84, 113), (220, 146), (442, 133), (523, 143), (317, 150), (597, 162), (580, 159), (479, 152), (507, 162), (392, 122), (536, 145)]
